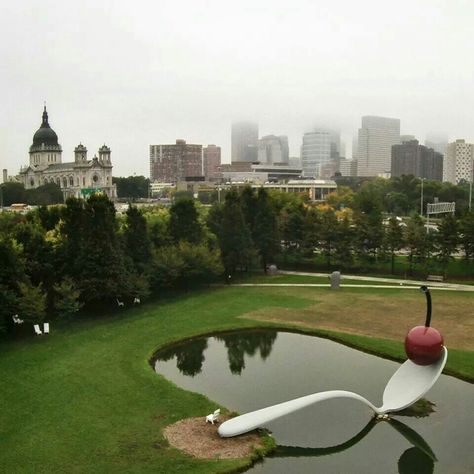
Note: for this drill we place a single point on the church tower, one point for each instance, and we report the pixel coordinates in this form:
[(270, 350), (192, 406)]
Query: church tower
[(104, 155), (80, 154), (45, 149)]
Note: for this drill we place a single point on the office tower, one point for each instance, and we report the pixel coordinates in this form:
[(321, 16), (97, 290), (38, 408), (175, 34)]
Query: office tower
[(412, 158), (407, 138), (319, 151), (5, 175), (211, 155), (458, 162), (376, 137), (172, 163), (244, 139), (347, 167), (437, 141), (273, 149)]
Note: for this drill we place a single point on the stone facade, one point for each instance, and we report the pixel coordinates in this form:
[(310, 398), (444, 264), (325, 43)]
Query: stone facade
[(77, 178)]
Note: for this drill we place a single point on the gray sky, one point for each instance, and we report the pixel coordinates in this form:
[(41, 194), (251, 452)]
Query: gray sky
[(131, 74)]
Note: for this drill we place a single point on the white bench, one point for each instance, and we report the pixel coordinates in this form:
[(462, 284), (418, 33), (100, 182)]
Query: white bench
[(119, 303), (37, 329), (435, 278), (17, 320), (213, 416)]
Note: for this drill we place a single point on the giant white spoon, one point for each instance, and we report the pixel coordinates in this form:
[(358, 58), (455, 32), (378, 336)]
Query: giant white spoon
[(407, 385)]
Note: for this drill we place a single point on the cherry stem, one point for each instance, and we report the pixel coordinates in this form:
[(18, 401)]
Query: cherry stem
[(426, 291)]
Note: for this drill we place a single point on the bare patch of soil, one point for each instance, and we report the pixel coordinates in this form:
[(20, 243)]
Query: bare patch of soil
[(379, 315), (200, 439)]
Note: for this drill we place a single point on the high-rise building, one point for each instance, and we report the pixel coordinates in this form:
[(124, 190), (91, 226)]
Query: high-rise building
[(347, 167), (273, 149), (437, 141), (458, 162), (244, 139), (412, 158), (211, 155), (374, 150), (172, 163), (319, 151)]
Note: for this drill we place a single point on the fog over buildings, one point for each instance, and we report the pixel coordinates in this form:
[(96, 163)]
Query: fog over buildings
[(142, 73)]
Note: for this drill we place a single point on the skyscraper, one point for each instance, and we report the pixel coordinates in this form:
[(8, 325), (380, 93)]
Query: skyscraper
[(437, 141), (273, 149), (172, 163), (458, 162), (374, 151), (244, 138), (320, 148), (211, 155), (412, 158)]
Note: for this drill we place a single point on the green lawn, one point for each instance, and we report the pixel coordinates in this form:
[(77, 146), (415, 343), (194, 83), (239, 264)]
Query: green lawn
[(85, 399)]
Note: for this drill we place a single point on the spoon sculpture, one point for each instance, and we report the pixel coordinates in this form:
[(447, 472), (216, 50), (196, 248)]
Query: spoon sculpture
[(407, 385)]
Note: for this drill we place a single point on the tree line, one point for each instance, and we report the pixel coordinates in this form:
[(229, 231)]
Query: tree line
[(56, 260)]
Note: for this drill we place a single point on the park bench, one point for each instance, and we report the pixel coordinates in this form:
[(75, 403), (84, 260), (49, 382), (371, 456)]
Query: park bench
[(435, 278), (37, 329)]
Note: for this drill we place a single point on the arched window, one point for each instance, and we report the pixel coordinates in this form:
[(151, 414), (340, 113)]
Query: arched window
[(32, 182), (64, 182), (71, 181), (58, 182)]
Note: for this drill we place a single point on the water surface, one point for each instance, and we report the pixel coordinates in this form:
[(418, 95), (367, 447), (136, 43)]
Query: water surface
[(248, 370)]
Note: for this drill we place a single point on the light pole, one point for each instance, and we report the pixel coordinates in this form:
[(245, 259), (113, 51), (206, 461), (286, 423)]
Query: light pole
[(421, 200), (470, 194)]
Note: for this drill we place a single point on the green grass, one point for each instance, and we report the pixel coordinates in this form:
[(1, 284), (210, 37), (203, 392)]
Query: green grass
[(85, 400)]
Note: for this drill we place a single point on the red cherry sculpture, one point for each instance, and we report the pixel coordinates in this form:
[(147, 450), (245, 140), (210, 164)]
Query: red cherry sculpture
[(424, 344)]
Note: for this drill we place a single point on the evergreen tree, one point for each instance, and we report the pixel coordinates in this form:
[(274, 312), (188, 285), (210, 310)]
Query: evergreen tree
[(234, 236), (311, 231), (418, 241), (393, 240), (265, 232), (137, 242), (467, 235), (100, 270), (66, 300), (343, 243), (327, 232), (184, 222), (447, 239), (31, 303)]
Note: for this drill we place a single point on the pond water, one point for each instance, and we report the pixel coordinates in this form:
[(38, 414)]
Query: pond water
[(248, 370)]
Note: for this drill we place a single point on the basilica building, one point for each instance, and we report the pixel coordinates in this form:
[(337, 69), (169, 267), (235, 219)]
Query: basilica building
[(78, 178)]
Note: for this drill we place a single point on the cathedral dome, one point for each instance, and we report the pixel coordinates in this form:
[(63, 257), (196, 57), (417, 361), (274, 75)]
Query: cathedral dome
[(45, 134)]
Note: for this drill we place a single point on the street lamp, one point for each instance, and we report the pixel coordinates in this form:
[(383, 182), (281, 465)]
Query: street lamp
[(421, 200)]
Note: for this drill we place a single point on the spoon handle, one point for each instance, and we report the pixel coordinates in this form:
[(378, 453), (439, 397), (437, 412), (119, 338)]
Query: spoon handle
[(255, 419)]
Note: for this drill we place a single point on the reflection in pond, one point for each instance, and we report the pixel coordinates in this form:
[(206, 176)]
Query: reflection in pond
[(248, 370), (240, 344), (189, 357), (417, 460)]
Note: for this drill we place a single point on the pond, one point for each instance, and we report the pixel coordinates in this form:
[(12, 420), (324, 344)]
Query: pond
[(247, 370)]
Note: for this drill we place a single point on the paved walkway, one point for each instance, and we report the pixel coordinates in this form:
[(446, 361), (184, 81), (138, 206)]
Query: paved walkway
[(395, 283)]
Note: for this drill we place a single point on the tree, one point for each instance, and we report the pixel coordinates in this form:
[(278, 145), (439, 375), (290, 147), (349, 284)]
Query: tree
[(133, 187), (13, 193), (100, 271), (291, 225), (418, 241), (265, 231), (66, 300), (184, 222), (234, 236), (45, 195), (368, 233), (447, 239), (200, 264), (31, 303), (137, 242), (467, 235), (327, 232), (393, 240), (343, 243), (311, 231)]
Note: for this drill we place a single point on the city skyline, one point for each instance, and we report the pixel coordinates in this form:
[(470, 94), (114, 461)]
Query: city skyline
[(107, 73)]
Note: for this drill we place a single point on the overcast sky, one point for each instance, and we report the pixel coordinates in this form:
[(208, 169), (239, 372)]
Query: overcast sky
[(131, 74)]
